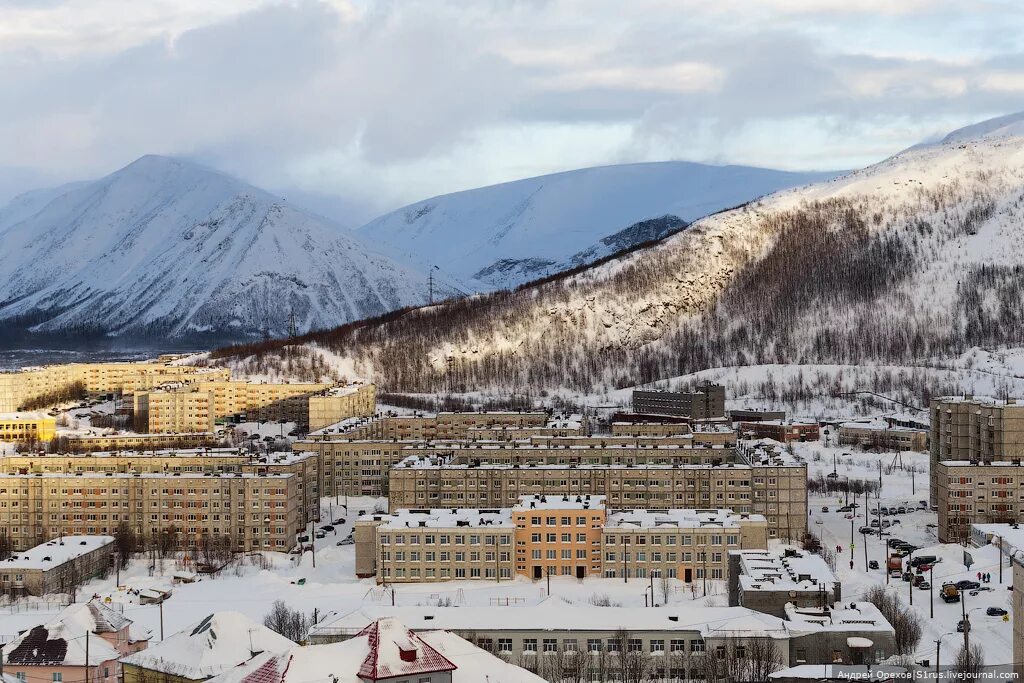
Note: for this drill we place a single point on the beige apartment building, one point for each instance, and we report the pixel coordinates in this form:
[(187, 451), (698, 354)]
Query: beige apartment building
[(207, 461), (128, 441), (57, 565), (249, 511), (977, 493), (428, 426), (256, 401), (544, 536), (179, 410), (21, 387), (968, 428), (338, 403), (880, 434), (773, 486)]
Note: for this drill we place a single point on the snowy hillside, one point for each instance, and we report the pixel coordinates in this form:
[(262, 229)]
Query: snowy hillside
[(503, 235), (166, 248), (918, 257)]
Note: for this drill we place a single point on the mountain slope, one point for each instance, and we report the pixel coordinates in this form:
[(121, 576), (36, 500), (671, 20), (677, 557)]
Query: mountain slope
[(164, 248), (503, 235), (917, 257)]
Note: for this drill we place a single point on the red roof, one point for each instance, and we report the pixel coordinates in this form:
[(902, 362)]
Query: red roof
[(397, 651)]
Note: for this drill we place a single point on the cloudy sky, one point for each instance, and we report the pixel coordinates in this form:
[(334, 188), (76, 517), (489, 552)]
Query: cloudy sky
[(378, 103)]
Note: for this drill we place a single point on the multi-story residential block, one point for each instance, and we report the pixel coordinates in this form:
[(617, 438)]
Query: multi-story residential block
[(62, 649), (707, 402), (559, 535), (977, 493), (30, 428), (880, 434), (679, 644), (690, 545), (359, 467), (968, 428), (184, 461), (748, 415), (177, 510), (780, 430), (429, 426), (338, 403), (556, 426), (752, 481), (646, 425), (77, 443), (174, 410), (259, 401), (52, 383), (57, 566), (769, 581)]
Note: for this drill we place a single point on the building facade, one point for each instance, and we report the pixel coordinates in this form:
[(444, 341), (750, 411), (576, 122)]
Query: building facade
[(977, 493), (879, 434), (769, 581), (57, 566), (707, 402), (780, 430), (338, 403), (178, 410), (27, 428)]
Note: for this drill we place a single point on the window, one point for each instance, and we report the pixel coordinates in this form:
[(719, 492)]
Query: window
[(550, 645), (504, 645), (657, 645), (593, 644), (57, 677), (529, 644)]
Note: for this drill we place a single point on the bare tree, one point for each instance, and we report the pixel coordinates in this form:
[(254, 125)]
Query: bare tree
[(970, 661), (126, 543), (292, 624), (632, 662), (764, 659)]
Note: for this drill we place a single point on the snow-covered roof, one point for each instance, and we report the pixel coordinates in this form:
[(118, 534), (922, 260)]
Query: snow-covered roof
[(852, 616), (432, 462), (1010, 537), (877, 424), (61, 641), (680, 518), (444, 518), (344, 389), (210, 646), (26, 415), (784, 570), (375, 653), (559, 502), (55, 552), (580, 618)]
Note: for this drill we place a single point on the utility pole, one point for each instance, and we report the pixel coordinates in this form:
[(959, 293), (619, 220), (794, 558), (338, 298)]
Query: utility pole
[(879, 479), (938, 650), (912, 489), (910, 584), (625, 569), (312, 541), (1000, 558), (864, 539), (430, 287), (651, 574), (931, 588), (967, 623), (161, 603), (87, 655)]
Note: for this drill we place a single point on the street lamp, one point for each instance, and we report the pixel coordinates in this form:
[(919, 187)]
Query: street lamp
[(938, 650)]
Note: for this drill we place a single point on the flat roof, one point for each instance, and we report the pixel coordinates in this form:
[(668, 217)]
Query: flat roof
[(683, 518), (52, 553), (560, 502), (444, 519), (769, 570)]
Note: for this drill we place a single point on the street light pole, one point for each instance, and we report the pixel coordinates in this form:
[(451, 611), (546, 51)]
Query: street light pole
[(931, 588)]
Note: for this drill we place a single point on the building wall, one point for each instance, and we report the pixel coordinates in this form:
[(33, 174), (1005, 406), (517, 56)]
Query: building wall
[(977, 494), (888, 439), (330, 409), (138, 674), (174, 411), (91, 444), (777, 492), (31, 429), (557, 542), (707, 403), (411, 555), (180, 508), (783, 433)]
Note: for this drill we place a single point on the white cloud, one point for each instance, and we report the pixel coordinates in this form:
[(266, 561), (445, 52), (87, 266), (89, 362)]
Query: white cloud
[(386, 101)]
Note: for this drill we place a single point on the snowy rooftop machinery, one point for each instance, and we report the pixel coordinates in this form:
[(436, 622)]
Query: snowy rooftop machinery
[(789, 570), (680, 518)]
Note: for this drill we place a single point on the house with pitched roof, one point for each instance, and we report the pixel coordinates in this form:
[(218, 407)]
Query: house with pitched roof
[(82, 644)]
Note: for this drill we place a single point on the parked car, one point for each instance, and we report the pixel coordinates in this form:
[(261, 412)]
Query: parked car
[(875, 523), (845, 508), (327, 527), (832, 475), (886, 524), (320, 534), (883, 510), (866, 530), (893, 542), (924, 585), (960, 626), (345, 541), (918, 579), (923, 559), (902, 510), (995, 612), (873, 564), (824, 508), (907, 576), (966, 585)]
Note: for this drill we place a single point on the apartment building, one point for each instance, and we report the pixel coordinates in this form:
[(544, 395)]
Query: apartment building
[(57, 382), (690, 545), (56, 566), (881, 435), (174, 410), (77, 443), (782, 431), (772, 484), (556, 426), (769, 580), (27, 428), (338, 403), (647, 427), (184, 461), (429, 426), (559, 535), (359, 467), (968, 428), (977, 493), (707, 402), (248, 511), (258, 401)]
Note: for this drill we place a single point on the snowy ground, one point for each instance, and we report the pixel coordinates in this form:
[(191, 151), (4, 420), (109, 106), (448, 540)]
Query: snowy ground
[(899, 488)]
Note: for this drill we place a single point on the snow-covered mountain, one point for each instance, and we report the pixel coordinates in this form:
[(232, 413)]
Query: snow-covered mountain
[(503, 235), (918, 257), (166, 248)]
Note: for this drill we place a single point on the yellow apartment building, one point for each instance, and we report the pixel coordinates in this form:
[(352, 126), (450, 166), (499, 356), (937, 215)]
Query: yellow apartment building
[(559, 535), (338, 403), (27, 428)]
